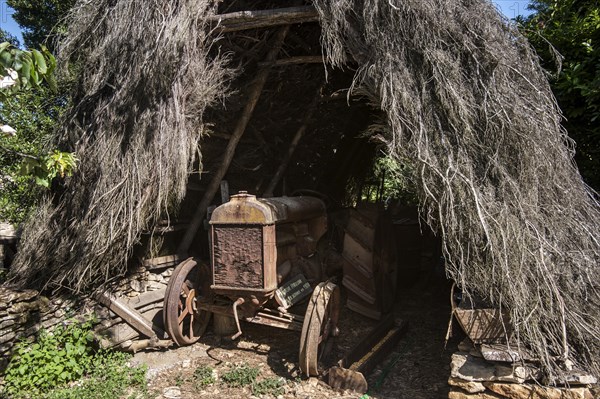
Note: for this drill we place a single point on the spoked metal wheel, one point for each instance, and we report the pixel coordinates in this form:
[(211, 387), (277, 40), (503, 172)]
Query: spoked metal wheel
[(320, 322), (189, 283)]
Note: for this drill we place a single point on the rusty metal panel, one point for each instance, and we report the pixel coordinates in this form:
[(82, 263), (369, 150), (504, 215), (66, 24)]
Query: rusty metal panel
[(243, 208), (270, 257), (295, 209), (238, 256)]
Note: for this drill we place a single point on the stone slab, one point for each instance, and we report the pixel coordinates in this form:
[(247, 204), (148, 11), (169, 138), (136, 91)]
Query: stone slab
[(468, 386), (502, 353), (470, 368), (532, 391), (458, 394)]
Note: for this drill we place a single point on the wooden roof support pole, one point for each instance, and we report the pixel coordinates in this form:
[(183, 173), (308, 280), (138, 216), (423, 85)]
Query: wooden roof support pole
[(254, 94), (288, 156), (244, 20)]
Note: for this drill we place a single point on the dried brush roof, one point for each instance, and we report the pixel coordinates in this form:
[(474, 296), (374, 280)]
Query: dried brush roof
[(465, 100)]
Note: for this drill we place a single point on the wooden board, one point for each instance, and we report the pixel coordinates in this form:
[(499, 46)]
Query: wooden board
[(356, 253), (162, 262)]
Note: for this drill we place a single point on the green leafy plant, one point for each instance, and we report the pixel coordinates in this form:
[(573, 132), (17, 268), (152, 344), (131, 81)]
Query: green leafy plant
[(110, 377), (48, 368), (241, 376), (20, 69), (57, 357), (45, 168), (31, 107), (269, 386), (204, 376)]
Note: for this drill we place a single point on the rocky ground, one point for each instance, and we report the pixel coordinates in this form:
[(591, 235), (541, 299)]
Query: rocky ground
[(418, 368)]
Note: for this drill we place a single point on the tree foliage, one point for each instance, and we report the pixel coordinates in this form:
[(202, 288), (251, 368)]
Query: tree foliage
[(41, 20), (24, 156), (30, 107), (566, 35), (8, 37)]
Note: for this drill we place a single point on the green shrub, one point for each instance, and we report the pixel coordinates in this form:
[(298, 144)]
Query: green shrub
[(241, 376), (110, 377)]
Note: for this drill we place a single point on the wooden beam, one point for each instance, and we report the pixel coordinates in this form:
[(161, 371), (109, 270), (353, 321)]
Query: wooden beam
[(131, 316), (161, 262), (146, 298), (302, 59), (292, 148), (254, 94), (244, 20)]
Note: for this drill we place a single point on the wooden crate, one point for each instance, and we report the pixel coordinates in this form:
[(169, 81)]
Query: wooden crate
[(484, 325)]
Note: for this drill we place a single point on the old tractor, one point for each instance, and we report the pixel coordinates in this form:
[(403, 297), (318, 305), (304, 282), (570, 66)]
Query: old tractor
[(263, 270)]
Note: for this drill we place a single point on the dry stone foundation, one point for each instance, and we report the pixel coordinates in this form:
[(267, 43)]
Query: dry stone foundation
[(474, 376), (23, 314)]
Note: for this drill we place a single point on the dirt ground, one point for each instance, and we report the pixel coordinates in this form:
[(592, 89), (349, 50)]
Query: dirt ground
[(418, 367)]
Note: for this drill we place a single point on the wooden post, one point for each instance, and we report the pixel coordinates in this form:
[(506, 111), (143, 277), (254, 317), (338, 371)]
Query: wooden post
[(224, 191), (301, 59), (292, 148), (253, 96)]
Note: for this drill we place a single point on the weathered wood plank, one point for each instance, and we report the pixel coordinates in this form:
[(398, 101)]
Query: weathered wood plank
[(146, 298), (244, 20), (130, 315), (161, 262)]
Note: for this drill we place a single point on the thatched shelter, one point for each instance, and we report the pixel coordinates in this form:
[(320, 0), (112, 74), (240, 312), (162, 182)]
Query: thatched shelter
[(172, 97)]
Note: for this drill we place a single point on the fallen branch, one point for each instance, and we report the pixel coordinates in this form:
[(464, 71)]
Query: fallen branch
[(135, 346)]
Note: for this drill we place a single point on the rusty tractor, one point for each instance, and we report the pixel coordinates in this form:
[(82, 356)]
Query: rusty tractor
[(263, 268)]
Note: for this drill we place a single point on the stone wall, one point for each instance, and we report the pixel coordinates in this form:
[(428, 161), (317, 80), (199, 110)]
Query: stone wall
[(507, 376), (23, 314)]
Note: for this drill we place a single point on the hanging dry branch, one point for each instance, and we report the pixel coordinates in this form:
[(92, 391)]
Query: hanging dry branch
[(146, 79), (467, 100)]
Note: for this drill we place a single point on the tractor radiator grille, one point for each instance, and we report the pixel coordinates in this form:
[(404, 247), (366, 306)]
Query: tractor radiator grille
[(238, 256)]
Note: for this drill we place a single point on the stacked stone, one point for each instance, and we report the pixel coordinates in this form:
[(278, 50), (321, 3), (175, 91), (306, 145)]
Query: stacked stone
[(486, 372), (23, 314), (143, 280)]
